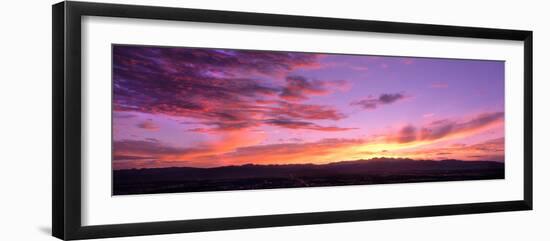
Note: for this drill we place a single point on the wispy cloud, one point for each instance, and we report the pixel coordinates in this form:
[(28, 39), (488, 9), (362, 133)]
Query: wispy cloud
[(221, 89), (373, 102), (148, 125), (201, 154), (299, 88), (293, 124), (490, 150), (445, 128), (236, 148)]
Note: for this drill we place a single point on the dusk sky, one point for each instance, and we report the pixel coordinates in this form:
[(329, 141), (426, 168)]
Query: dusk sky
[(201, 107)]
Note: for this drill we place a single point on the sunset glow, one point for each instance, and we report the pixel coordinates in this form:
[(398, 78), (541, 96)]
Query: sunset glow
[(196, 107)]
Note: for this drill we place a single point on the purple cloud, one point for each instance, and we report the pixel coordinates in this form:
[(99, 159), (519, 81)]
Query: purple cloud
[(372, 102), (148, 125), (299, 88), (221, 89), (445, 127), (293, 124)]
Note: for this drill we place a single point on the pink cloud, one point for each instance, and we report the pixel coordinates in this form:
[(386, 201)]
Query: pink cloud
[(446, 128), (148, 125), (218, 88)]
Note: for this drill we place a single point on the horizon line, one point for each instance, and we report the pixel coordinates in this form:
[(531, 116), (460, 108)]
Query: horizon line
[(309, 163)]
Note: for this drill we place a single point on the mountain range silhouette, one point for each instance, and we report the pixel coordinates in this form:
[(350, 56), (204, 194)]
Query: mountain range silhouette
[(255, 176)]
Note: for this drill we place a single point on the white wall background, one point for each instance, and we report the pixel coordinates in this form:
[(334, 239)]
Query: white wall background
[(25, 122)]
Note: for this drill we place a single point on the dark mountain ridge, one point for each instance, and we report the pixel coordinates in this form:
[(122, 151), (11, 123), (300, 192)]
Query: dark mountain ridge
[(254, 176)]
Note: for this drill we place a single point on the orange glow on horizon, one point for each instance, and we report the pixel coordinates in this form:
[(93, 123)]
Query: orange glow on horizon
[(235, 148)]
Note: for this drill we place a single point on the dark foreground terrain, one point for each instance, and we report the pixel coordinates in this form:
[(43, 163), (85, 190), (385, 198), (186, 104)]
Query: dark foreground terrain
[(360, 172)]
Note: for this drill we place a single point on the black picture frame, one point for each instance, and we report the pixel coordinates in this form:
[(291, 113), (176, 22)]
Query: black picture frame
[(66, 159)]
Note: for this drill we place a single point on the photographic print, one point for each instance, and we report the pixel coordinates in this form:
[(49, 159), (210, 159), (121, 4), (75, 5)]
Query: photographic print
[(167, 117), (206, 119)]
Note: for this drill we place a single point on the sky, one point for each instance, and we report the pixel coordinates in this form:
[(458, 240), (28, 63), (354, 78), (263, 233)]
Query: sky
[(198, 107)]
